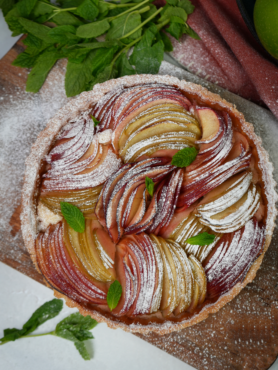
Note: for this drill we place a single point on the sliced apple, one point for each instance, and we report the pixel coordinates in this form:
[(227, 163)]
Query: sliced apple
[(168, 290), (209, 122), (233, 257), (234, 216), (200, 277)]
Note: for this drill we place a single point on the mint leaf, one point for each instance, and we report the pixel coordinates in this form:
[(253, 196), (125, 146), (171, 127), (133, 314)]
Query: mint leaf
[(168, 47), (186, 5), (201, 239), (176, 11), (7, 6), (70, 3), (189, 31), (145, 58), (81, 348), (63, 34), (123, 66), (176, 29), (76, 328), (173, 2), (66, 18), (12, 19), (73, 216), (123, 25), (25, 60), (46, 312), (87, 10), (38, 30), (43, 65), (78, 75), (96, 122), (76, 55), (25, 7), (149, 185), (184, 157), (33, 41), (98, 45), (42, 8), (107, 73), (94, 29), (114, 294), (102, 58)]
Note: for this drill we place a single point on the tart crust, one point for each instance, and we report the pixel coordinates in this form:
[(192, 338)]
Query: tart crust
[(83, 102)]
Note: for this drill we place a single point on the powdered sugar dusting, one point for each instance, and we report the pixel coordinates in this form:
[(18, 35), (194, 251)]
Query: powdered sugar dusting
[(83, 101), (22, 118)]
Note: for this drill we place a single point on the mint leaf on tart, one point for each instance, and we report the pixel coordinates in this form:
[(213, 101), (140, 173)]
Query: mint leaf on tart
[(73, 216), (201, 239), (114, 294), (96, 122), (184, 157), (149, 185)]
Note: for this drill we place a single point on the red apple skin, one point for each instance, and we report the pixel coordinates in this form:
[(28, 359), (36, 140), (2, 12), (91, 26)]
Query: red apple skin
[(195, 190), (116, 106), (129, 289), (62, 272), (232, 257)]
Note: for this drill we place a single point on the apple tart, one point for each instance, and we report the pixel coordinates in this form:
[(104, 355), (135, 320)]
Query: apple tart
[(177, 196)]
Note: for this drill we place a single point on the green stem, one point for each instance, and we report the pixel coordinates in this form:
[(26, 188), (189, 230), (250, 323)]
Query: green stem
[(38, 335), (162, 24), (125, 49), (142, 24), (127, 11), (143, 10), (113, 6), (64, 10)]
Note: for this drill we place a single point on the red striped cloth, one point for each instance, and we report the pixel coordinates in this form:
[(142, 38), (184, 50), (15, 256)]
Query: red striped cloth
[(227, 53)]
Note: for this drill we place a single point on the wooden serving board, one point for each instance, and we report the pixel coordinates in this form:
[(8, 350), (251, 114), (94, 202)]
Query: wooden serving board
[(243, 334)]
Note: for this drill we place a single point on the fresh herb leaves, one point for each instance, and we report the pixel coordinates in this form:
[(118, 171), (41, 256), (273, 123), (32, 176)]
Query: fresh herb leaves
[(145, 57), (114, 294), (73, 216), (184, 157), (42, 66), (93, 29), (46, 312), (96, 122), (60, 31), (75, 327), (201, 239), (149, 185)]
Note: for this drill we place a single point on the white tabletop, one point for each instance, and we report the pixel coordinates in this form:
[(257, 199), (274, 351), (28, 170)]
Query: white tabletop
[(20, 296)]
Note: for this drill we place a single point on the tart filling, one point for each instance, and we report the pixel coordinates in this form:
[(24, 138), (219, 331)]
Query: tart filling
[(140, 238)]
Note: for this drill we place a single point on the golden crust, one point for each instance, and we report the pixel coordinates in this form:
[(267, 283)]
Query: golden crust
[(81, 103)]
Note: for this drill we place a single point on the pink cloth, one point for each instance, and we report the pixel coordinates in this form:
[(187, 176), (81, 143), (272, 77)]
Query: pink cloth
[(227, 53)]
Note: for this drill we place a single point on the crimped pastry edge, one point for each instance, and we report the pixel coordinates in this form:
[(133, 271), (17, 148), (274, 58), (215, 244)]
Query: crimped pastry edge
[(71, 110)]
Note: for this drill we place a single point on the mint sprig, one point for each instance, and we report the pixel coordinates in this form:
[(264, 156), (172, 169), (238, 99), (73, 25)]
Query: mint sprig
[(201, 239), (75, 327), (149, 185), (184, 157), (73, 216), (96, 122), (114, 294), (60, 31)]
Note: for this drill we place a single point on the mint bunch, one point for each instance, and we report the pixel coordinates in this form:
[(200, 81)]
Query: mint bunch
[(75, 327), (70, 30)]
